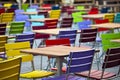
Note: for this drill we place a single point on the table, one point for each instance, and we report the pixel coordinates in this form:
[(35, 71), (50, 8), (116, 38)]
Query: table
[(56, 51), (53, 31), (41, 19), (93, 16), (44, 8), (116, 40)]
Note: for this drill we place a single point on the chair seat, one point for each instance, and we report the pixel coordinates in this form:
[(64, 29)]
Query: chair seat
[(63, 77), (96, 74), (36, 74)]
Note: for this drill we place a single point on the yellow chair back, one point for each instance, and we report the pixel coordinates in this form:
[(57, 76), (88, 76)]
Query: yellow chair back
[(7, 17), (55, 14), (110, 17), (7, 5), (13, 50), (10, 69), (3, 41)]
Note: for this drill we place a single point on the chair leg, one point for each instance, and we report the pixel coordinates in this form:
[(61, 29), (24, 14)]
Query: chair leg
[(32, 62)]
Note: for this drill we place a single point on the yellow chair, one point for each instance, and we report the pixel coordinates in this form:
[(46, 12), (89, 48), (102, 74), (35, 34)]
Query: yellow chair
[(55, 14), (10, 69), (110, 17), (7, 17), (7, 5), (3, 41)]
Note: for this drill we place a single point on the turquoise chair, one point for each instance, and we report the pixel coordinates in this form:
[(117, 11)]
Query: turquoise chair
[(117, 18), (37, 17), (31, 10)]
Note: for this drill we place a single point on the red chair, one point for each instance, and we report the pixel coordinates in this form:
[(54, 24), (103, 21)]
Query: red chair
[(40, 36), (99, 21), (93, 11), (45, 13), (2, 10), (51, 23), (53, 42)]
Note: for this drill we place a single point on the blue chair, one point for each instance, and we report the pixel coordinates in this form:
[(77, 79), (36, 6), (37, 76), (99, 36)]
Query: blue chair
[(18, 12), (117, 18), (79, 61), (104, 10), (34, 7), (14, 6), (84, 24), (55, 7), (25, 37), (31, 10), (37, 17), (71, 34)]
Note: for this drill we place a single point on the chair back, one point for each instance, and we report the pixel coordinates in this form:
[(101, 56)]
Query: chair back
[(38, 35), (34, 6), (7, 17), (106, 40), (18, 12), (7, 5), (71, 34), (3, 28), (100, 21), (16, 28), (104, 10), (37, 17), (75, 16), (14, 6), (3, 41), (110, 17), (45, 13), (53, 42), (2, 10), (51, 23), (117, 18), (24, 6), (81, 8), (93, 11), (10, 10), (25, 37), (10, 69), (84, 24), (13, 49), (88, 35), (66, 22), (31, 10), (112, 58), (80, 61), (55, 14)]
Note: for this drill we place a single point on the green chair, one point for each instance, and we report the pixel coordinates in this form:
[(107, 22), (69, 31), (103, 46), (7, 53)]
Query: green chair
[(77, 17), (81, 8), (16, 28), (106, 40), (24, 6)]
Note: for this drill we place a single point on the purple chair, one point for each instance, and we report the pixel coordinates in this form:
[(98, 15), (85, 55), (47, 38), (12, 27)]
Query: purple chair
[(79, 61), (34, 6), (71, 34), (25, 37), (18, 12)]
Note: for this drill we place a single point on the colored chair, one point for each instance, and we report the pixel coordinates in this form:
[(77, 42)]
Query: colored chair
[(34, 6), (81, 8), (2, 10), (106, 40), (55, 14), (66, 23), (93, 11), (77, 17), (45, 13), (117, 18), (69, 10), (16, 28), (10, 10), (104, 10), (110, 17), (37, 17), (3, 28), (25, 37), (71, 34), (3, 41), (55, 7), (13, 50), (18, 12), (14, 6), (111, 61), (84, 24), (24, 6), (53, 42), (10, 69), (78, 61), (7, 5), (7, 17), (31, 10), (50, 24)]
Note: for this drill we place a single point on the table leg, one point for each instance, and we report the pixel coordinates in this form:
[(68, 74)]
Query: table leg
[(59, 65)]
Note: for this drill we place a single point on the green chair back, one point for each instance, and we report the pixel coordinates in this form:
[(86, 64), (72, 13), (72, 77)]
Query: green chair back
[(16, 27), (25, 6), (106, 40), (117, 18), (77, 17), (81, 8)]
